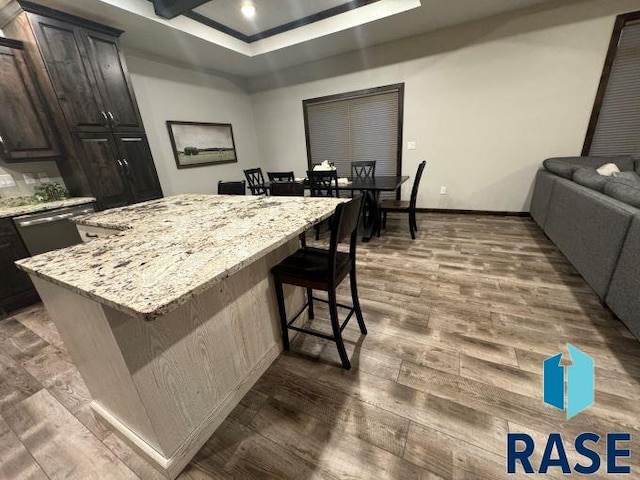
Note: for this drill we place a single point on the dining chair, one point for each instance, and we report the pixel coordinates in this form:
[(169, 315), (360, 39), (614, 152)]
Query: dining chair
[(363, 169), (402, 206), (323, 183), (255, 179), (321, 269), (232, 188), (287, 189), (281, 176)]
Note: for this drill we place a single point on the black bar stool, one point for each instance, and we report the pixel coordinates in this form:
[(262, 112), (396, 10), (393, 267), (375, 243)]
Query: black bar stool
[(232, 188), (319, 269)]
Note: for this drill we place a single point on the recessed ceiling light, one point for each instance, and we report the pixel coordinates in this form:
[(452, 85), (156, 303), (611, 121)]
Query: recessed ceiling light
[(248, 9)]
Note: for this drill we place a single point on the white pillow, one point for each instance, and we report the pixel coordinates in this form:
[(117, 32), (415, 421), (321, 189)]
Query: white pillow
[(608, 169)]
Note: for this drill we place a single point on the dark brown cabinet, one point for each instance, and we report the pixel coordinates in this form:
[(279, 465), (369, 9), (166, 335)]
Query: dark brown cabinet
[(82, 70), (89, 76), (124, 167), (112, 80), (138, 166), (26, 130), (16, 289)]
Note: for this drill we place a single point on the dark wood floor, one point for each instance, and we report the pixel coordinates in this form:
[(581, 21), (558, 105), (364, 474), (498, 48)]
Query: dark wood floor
[(459, 322)]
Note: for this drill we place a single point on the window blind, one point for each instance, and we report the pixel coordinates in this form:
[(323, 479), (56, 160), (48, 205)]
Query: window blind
[(617, 130), (353, 129)]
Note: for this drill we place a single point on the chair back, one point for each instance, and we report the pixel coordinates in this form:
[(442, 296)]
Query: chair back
[(255, 179), (416, 185), (363, 169), (323, 183), (232, 188), (287, 189), (344, 224), (281, 176)]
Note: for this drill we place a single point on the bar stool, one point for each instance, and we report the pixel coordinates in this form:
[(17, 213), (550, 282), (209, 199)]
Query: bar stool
[(320, 269)]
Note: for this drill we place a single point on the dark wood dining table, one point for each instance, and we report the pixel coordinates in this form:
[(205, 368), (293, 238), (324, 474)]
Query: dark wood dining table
[(372, 187)]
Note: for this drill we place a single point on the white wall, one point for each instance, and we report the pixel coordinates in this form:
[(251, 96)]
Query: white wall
[(486, 102), (165, 92)]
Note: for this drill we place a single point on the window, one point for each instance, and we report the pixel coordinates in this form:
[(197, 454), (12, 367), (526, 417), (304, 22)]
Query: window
[(614, 128), (362, 125)]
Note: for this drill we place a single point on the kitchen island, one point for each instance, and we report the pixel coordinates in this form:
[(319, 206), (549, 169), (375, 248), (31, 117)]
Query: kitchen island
[(172, 318)]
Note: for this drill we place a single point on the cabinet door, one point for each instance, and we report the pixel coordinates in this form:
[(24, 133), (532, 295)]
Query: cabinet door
[(26, 131), (104, 169), (113, 81), (139, 167), (73, 81), (16, 288)]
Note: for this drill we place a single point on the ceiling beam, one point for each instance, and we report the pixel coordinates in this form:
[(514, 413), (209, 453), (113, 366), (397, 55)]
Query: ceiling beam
[(172, 8)]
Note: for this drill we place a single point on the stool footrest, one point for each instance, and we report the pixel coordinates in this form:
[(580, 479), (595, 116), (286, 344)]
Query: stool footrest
[(341, 305), (300, 312), (314, 333)]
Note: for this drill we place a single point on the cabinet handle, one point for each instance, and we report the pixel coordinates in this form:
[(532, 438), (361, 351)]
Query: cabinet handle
[(119, 162), (90, 235), (104, 115), (127, 168), (113, 120), (2, 146)]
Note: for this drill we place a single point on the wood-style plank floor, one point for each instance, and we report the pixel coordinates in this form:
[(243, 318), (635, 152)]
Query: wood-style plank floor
[(459, 323)]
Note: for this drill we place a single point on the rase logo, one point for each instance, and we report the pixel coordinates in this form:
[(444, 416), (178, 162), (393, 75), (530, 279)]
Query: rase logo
[(579, 391), (569, 385)]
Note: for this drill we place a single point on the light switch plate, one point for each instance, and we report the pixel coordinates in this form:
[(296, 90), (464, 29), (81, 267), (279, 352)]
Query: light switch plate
[(411, 145), (29, 179), (7, 181)]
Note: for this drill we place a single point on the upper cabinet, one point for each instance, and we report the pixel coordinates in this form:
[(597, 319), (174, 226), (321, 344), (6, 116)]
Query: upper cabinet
[(89, 76), (26, 130)]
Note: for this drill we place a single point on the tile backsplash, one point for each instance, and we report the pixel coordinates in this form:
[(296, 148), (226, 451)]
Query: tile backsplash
[(24, 177)]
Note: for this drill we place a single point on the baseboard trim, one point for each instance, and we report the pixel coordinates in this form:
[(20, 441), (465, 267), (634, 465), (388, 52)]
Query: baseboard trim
[(473, 212), (171, 466)]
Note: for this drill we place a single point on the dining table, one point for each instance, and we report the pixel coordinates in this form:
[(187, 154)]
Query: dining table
[(372, 188)]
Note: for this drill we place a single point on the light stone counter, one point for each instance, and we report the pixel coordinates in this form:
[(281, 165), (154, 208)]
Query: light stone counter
[(199, 267), (175, 248), (7, 210)]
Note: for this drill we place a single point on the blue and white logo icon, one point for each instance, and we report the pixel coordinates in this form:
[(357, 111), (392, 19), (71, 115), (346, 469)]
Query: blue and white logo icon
[(579, 391)]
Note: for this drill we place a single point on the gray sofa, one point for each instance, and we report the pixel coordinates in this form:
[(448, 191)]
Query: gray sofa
[(595, 222)]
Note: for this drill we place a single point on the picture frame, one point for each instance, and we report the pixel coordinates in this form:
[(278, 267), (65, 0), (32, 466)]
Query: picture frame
[(198, 144)]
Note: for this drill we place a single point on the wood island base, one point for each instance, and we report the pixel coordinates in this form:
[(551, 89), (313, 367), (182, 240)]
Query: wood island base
[(166, 385)]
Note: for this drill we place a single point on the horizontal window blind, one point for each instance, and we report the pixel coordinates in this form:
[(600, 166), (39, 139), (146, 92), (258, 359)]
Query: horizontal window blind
[(617, 130), (353, 129)]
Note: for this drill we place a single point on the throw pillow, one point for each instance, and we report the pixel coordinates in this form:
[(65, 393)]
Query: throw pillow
[(608, 169), (627, 178), (625, 193), (590, 178)]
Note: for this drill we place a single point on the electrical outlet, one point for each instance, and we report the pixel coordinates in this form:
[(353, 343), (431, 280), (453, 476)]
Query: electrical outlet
[(443, 190), (7, 181), (411, 145), (44, 178)]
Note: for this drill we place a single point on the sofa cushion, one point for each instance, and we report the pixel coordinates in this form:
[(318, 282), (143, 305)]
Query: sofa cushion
[(624, 188), (589, 177), (565, 166)]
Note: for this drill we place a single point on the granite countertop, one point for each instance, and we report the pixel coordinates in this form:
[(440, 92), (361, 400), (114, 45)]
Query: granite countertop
[(172, 249), (9, 209)]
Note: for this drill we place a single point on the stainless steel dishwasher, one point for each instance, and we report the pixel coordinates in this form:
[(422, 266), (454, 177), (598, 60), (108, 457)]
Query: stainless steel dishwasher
[(50, 230)]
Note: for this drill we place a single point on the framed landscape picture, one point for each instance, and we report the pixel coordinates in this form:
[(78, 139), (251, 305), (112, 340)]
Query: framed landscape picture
[(196, 144)]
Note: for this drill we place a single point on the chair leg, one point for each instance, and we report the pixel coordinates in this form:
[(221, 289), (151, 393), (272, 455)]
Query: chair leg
[(411, 229), (356, 300), (317, 231), (335, 323), (412, 218), (310, 303), (384, 220), (283, 314)]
